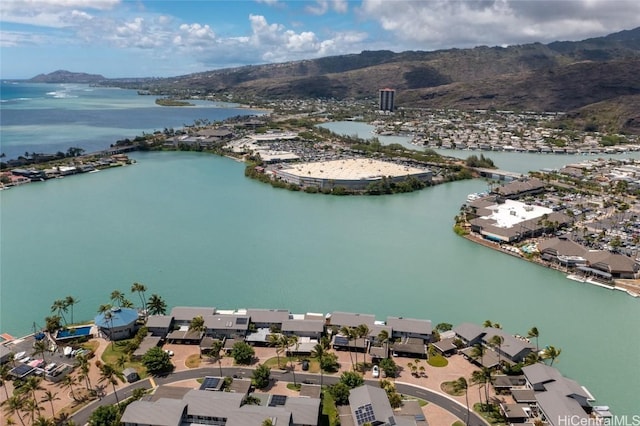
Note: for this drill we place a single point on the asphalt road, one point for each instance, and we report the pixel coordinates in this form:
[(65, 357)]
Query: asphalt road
[(450, 405)]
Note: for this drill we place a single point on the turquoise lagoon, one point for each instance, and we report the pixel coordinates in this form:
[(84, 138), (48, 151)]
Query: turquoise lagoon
[(197, 232)]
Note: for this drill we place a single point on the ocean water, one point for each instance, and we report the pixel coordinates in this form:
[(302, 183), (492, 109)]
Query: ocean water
[(47, 118), (197, 232)]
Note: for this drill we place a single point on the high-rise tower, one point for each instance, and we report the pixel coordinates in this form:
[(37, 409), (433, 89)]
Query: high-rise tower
[(387, 97)]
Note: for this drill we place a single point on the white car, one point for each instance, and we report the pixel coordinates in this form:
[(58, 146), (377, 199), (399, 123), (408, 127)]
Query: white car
[(375, 372)]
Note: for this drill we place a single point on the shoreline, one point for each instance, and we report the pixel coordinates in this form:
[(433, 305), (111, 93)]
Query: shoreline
[(632, 290)]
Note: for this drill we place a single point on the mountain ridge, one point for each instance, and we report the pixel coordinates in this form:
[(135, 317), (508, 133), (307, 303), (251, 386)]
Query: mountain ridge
[(563, 76)]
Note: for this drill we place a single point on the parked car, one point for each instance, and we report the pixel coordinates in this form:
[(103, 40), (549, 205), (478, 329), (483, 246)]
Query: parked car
[(375, 372), (305, 365)]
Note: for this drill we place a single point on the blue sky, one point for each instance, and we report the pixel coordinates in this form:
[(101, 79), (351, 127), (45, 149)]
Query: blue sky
[(145, 38)]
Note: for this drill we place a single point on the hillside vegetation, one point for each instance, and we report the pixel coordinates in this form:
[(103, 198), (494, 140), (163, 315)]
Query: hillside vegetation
[(595, 80)]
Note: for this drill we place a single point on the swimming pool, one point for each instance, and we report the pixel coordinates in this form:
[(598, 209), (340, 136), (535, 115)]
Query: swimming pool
[(74, 333)]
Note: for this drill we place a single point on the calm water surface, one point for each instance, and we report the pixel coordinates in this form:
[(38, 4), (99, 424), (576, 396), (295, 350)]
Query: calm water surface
[(197, 232)]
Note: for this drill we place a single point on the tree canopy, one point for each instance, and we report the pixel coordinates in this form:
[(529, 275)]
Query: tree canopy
[(242, 353), (157, 361)]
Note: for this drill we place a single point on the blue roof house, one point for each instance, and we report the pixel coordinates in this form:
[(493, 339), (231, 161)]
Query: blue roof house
[(118, 323)]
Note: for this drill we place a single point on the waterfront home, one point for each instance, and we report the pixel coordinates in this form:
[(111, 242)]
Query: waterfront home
[(557, 397), (182, 315), (311, 328), (222, 326), (512, 349), (159, 325), (410, 327), (349, 319), (118, 323), (268, 318)]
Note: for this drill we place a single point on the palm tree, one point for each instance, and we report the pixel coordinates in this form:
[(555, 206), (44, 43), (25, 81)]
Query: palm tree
[(319, 352), (59, 306), (40, 347), (348, 333), (362, 331), (32, 384), (478, 352), (121, 361), (532, 358), (197, 324), (275, 340), (68, 383), (293, 341), (69, 301), (50, 397), (156, 305), (117, 297), (14, 405), (108, 316), (43, 421), (461, 384), (215, 353), (551, 352), (140, 289), (31, 406), (4, 376), (497, 340), (84, 370), (534, 333), (111, 375), (478, 378), (487, 323)]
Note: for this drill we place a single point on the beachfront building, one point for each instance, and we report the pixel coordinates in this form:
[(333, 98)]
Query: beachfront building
[(352, 174), (118, 323), (268, 318), (513, 349), (558, 398)]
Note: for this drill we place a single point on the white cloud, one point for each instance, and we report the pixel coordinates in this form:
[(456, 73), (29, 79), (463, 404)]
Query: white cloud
[(443, 24), (323, 6), (49, 13), (194, 36)]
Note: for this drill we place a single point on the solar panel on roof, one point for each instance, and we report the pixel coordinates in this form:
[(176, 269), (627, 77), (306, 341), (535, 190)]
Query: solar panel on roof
[(277, 400), (21, 370), (210, 383), (241, 320), (341, 340)]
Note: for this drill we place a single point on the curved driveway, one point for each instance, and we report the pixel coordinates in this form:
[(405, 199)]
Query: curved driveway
[(441, 400)]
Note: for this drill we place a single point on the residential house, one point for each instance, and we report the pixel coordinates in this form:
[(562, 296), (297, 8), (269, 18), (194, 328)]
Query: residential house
[(159, 325), (117, 323), (268, 318), (557, 397), (409, 327), (370, 405)]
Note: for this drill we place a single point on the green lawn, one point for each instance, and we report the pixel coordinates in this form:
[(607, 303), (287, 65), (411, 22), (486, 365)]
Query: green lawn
[(492, 416), (437, 360), (314, 366), (330, 416)]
